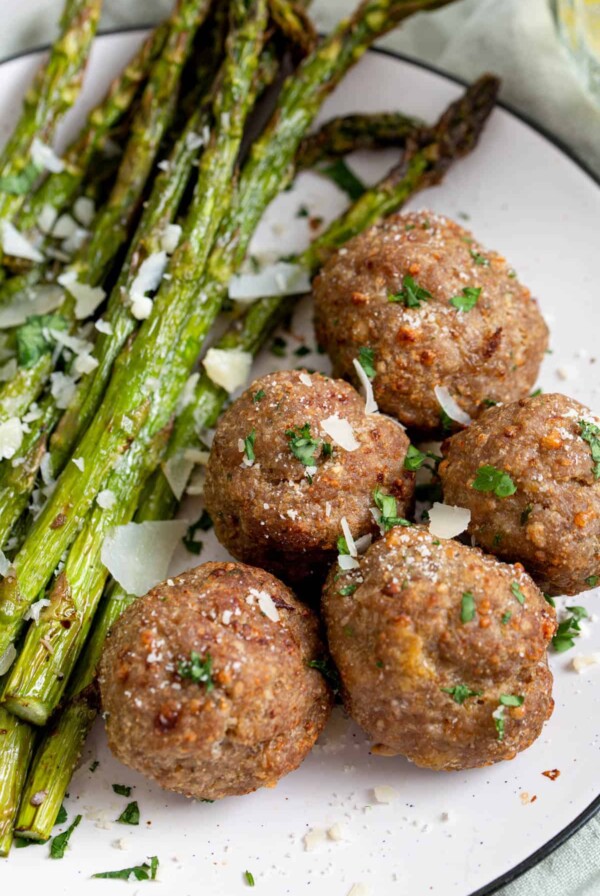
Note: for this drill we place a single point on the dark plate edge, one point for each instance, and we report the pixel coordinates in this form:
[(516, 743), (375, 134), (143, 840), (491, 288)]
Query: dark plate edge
[(594, 807)]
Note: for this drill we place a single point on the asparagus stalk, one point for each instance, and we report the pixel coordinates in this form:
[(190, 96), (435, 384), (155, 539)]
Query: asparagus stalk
[(295, 23), (58, 753), (35, 685), (52, 93), (60, 189), (179, 320), (16, 748), (348, 133)]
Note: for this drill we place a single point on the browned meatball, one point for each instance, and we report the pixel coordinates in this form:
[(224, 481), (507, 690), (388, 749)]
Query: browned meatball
[(441, 651), (282, 510), (206, 684), (394, 289), (548, 514)]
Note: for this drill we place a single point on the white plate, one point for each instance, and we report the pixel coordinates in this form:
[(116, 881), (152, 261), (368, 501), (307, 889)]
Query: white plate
[(527, 199)]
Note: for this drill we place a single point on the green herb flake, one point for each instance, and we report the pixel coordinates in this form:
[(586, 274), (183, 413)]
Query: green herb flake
[(517, 592), (549, 599), (190, 540), (20, 184), (302, 351), (460, 693), (411, 294), (249, 446), (592, 581), (198, 669), (302, 445), (278, 347), (535, 393), (22, 842), (34, 337), (249, 878), (94, 766), (303, 212), (122, 789), (342, 545), (569, 629), (130, 814), (446, 422), (344, 178), (388, 508), (138, 872), (414, 459), (62, 816), (590, 433), (480, 260), (327, 670), (506, 618), (499, 722), (491, 479), (467, 607), (489, 402), (366, 359), (468, 298), (59, 843), (512, 700), (347, 590), (258, 396), (526, 514)]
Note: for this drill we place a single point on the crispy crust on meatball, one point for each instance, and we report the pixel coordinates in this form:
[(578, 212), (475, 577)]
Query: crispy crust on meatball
[(265, 707), (404, 635), (491, 352), (279, 513), (551, 524)]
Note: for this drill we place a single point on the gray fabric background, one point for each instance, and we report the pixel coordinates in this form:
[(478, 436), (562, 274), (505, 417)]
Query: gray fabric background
[(513, 38)]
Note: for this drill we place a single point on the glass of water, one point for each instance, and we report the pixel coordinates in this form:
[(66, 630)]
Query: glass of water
[(578, 23)]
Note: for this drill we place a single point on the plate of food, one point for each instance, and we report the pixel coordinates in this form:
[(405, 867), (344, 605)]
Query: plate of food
[(300, 480)]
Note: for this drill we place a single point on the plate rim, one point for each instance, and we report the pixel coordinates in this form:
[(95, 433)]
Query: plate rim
[(593, 808)]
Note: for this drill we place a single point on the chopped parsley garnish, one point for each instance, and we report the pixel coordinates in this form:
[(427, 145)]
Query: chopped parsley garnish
[(512, 700), (22, 842), (460, 693), (249, 446), (489, 402), (491, 479), (130, 814), (592, 581), (249, 878), (467, 607), (122, 789), (498, 539), (467, 300), (34, 338), (302, 445), (414, 459), (190, 540), (278, 347), (517, 592), (590, 433), (21, 183), (549, 599), (258, 396), (94, 766), (303, 212), (327, 449), (344, 178), (198, 669), (366, 359), (506, 618), (498, 716), (62, 816), (479, 259), (446, 422), (535, 393), (59, 843), (347, 590), (302, 351), (342, 545), (138, 872), (387, 506), (526, 514), (411, 294), (327, 670), (569, 629)]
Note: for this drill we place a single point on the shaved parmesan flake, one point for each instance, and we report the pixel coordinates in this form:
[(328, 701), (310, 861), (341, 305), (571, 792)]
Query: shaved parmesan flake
[(265, 602), (279, 279), (8, 370), (7, 658), (363, 543), (74, 242), (193, 141), (346, 562), (103, 326), (348, 536), (149, 275), (74, 343), (11, 436), (85, 363), (370, 403), (170, 238), (197, 456), (385, 794), (178, 470), (581, 662), (35, 609), (106, 499), (43, 156), (305, 379), (314, 838), (137, 555), (47, 218), (228, 368), (358, 890), (15, 244), (187, 393), (340, 430), (447, 521), (79, 463), (336, 832), (196, 486), (141, 308), (43, 300), (84, 210), (449, 405), (87, 298), (62, 388), (64, 227), (5, 564)]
